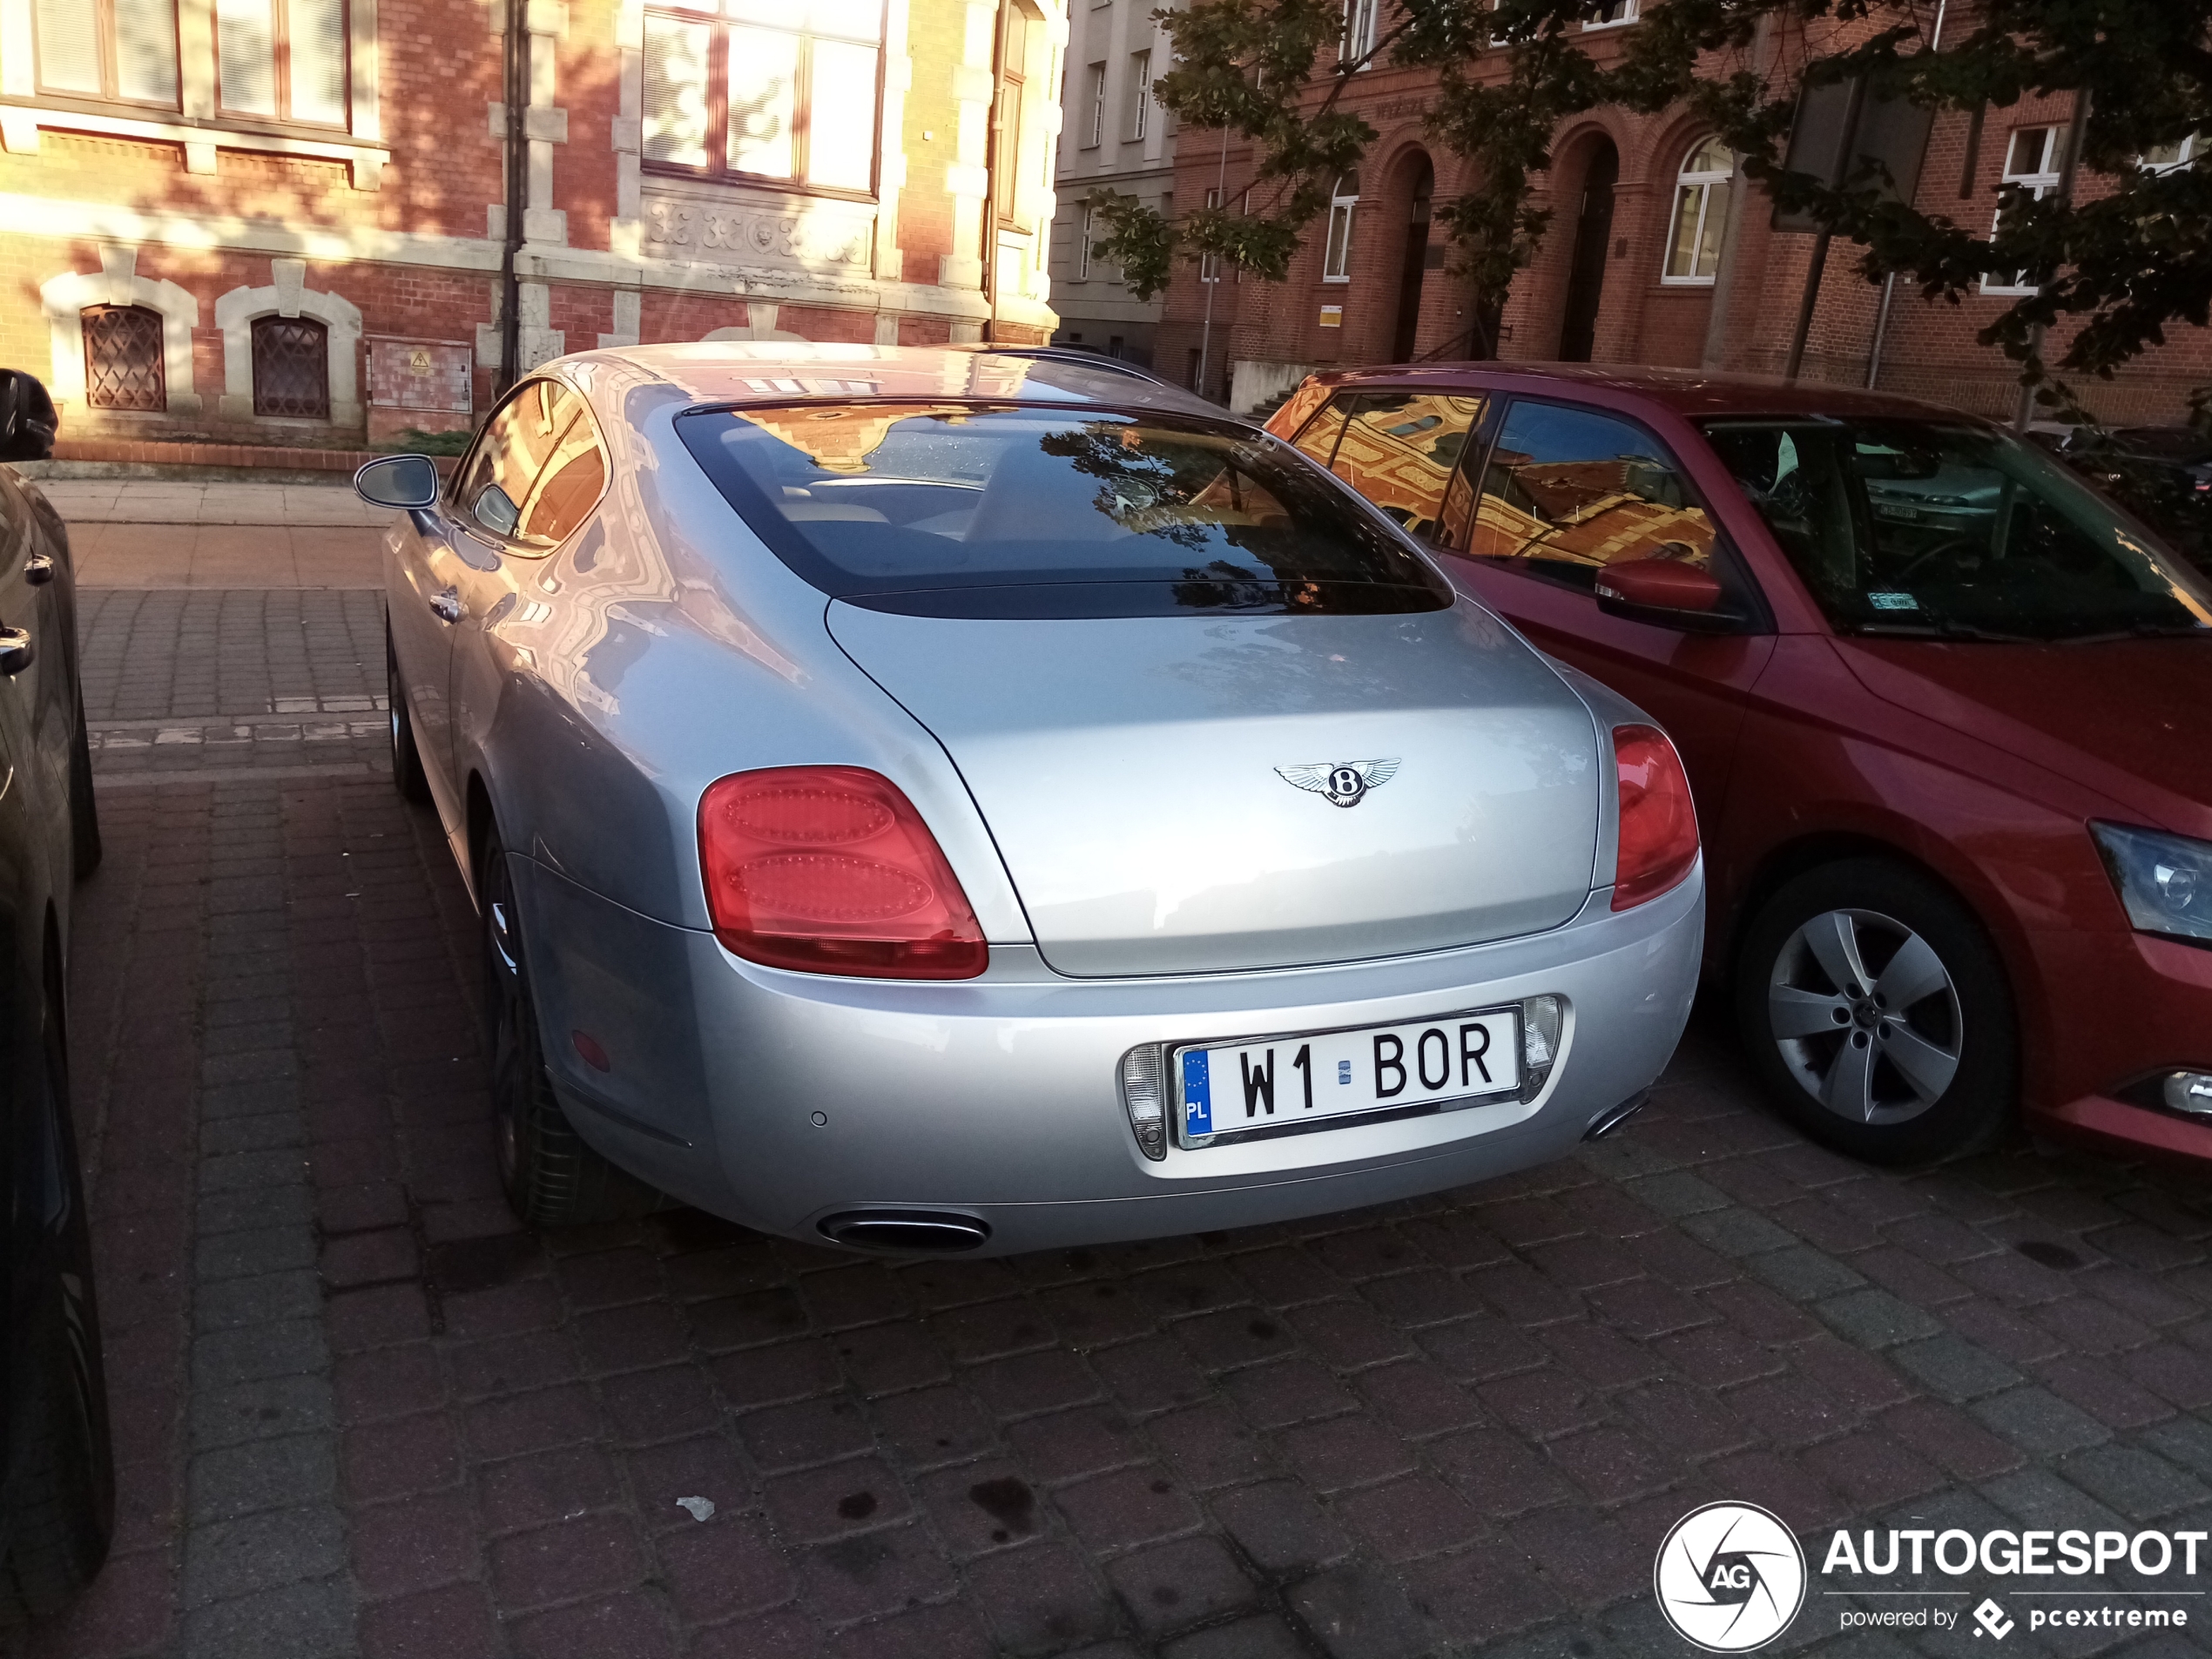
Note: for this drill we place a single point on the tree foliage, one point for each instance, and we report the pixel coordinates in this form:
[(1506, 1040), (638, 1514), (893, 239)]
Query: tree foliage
[(2128, 256)]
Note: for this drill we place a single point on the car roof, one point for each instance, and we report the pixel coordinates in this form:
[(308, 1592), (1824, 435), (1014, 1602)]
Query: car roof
[(1688, 392), (778, 371)]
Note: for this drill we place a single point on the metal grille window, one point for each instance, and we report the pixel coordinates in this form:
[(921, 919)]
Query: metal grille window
[(107, 49), (123, 359), (767, 88), (292, 369)]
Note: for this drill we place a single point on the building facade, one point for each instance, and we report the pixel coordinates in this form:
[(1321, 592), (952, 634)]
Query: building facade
[(316, 222), (1114, 136), (1656, 253)]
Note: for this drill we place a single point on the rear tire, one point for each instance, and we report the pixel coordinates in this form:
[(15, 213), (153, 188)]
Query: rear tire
[(1878, 1014), (84, 806), (551, 1178), (63, 1500), (408, 776)]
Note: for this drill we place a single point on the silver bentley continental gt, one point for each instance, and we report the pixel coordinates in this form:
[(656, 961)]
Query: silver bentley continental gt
[(936, 800)]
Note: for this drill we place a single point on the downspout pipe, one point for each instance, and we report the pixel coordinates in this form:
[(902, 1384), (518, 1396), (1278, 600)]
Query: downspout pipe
[(1888, 282), (516, 66)]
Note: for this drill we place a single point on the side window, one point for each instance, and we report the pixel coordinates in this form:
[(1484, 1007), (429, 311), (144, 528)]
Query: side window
[(1318, 441), (1399, 450), (1572, 490), (526, 475), (1301, 403)]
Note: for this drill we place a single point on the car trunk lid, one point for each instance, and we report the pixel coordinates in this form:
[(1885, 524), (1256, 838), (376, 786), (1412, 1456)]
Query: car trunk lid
[(1133, 772)]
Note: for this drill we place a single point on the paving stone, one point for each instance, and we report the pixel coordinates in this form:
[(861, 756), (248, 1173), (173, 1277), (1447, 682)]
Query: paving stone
[(1875, 1318), (2038, 1421), (2139, 1484), (1804, 1274), (1954, 1368)]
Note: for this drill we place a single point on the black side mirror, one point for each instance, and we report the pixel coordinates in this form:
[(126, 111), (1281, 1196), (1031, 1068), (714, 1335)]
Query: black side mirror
[(28, 422), (406, 482)]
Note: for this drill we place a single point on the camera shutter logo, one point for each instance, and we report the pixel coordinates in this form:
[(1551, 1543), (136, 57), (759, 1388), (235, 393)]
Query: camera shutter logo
[(1729, 1577)]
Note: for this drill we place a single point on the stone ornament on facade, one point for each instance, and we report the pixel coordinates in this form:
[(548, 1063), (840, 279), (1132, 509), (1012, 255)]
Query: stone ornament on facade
[(677, 229), (65, 298), (287, 295)]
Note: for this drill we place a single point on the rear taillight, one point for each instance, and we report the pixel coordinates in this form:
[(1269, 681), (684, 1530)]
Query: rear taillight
[(1658, 822), (830, 870)]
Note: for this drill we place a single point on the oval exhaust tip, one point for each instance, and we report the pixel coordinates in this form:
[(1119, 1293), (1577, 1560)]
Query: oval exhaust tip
[(909, 1231), (1605, 1121)]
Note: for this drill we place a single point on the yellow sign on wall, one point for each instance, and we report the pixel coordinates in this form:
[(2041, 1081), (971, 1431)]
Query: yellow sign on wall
[(1332, 316)]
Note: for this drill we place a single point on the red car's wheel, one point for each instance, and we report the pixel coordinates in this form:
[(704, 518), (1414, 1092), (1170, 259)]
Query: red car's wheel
[(1877, 1013)]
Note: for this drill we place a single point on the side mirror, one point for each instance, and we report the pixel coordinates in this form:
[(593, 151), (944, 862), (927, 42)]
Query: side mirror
[(27, 418), (405, 482), (1665, 591)]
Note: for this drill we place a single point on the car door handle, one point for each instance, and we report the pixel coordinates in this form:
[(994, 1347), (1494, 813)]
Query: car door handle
[(15, 650), (38, 569), (445, 604)]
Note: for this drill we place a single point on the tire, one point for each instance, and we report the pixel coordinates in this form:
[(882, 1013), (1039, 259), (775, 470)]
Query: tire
[(551, 1178), (84, 806), (1922, 1062), (408, 776), (63, 1500)]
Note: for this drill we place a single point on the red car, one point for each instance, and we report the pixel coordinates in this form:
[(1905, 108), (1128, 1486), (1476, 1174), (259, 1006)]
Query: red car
[(1946, 710)]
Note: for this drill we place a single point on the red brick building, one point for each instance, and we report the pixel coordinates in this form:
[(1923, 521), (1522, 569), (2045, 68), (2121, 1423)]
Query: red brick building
[(305, 221), (1656, 254)]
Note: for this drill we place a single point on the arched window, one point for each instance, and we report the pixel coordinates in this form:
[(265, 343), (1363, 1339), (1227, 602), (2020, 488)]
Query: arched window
[(292, 367), (123, 365), (1701, 208), (1344, 199)]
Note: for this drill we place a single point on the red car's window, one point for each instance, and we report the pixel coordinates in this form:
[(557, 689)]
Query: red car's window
[(1571, 491), (1318, 441), (1399, 450)]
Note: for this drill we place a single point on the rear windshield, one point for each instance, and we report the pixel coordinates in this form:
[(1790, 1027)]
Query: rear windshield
[(964, 509)]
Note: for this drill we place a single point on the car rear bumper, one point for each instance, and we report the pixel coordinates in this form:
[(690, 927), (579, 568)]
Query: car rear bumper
[(779, 1099)]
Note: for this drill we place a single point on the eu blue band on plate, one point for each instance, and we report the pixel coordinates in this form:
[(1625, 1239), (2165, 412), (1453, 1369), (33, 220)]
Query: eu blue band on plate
[(1197, 1094)]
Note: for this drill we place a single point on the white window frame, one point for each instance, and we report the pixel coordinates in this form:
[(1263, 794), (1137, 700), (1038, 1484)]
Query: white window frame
[(1082, 242), (2039, 184), (1140, 92), (1360, 19), (1097, 106), (1703, 182), (1609, 14), (196, 125), (1344, 207), (2192, 147), (1209, 264)]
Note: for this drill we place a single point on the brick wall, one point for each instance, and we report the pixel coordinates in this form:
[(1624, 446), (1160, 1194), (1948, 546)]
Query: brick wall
[(411, 245), (1930, 347)]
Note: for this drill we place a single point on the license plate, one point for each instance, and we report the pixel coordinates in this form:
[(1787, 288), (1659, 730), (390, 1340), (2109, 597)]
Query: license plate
[(1286, 1085)]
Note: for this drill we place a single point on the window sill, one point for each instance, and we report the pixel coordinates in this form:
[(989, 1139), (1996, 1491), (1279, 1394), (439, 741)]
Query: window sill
[(21, 122), (1599, 28), (1686, 282), (675, 173), (1336, 282)]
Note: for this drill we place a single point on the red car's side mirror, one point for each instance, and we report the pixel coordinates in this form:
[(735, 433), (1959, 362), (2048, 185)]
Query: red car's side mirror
[(1665, 591)]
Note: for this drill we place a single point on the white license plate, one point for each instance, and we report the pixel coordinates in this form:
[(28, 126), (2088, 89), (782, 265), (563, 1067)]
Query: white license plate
[(1284, 1085)]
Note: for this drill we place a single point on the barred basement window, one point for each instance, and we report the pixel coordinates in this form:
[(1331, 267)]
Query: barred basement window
[(292, 367), (124, 359)]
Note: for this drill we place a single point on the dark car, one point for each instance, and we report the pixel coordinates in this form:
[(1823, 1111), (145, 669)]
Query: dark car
[(2161, 473), (1947, 714), (56, 1480)]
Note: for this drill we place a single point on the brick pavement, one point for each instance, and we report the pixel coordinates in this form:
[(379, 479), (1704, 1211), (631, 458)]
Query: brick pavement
[(358, 1413)]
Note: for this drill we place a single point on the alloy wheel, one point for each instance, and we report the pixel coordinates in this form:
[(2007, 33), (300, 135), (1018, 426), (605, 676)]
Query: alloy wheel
[(1866, 1016)]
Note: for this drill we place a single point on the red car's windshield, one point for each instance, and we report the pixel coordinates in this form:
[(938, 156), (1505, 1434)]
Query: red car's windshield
[(1953, 529)]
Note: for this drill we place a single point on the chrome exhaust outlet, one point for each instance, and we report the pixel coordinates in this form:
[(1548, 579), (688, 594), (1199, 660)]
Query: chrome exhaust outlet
[(935, 1232), (1605, 1121)]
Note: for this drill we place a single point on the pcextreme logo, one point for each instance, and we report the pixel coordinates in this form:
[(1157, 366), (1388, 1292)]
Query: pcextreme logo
[(1729, 1577)]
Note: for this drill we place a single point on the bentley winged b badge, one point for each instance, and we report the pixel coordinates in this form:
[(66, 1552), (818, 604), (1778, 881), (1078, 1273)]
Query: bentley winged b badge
[(1344, 783)]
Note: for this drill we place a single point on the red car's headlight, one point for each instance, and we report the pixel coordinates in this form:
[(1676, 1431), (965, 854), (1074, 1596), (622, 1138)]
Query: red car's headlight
[(1658, 821), (830, 870)]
